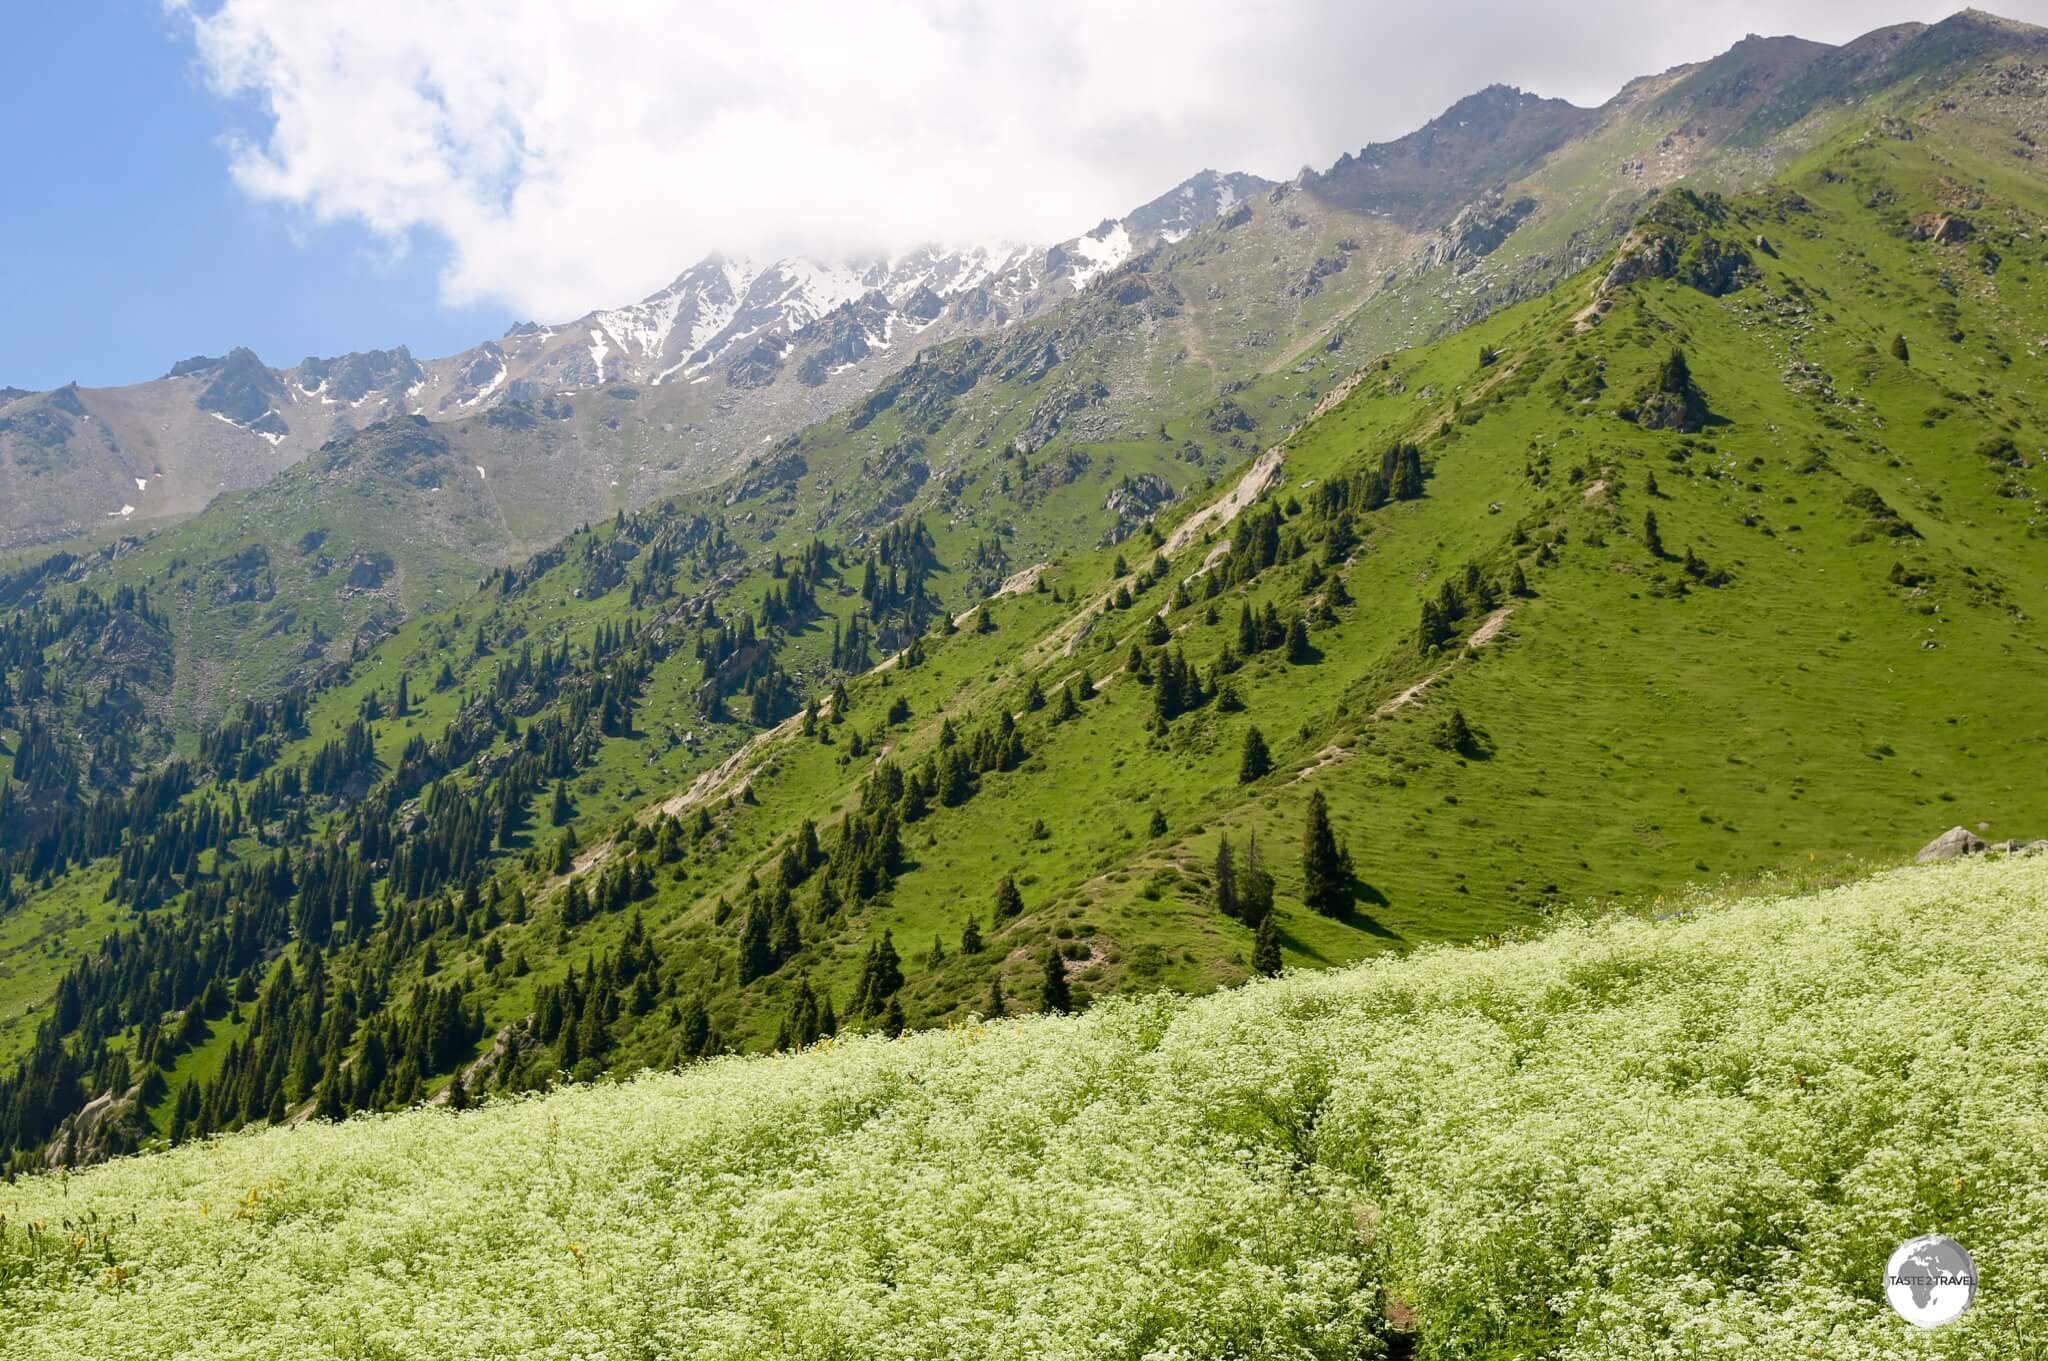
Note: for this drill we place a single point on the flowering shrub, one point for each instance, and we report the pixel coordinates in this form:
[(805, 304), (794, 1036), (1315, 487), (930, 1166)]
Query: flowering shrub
[(1690, 1138)]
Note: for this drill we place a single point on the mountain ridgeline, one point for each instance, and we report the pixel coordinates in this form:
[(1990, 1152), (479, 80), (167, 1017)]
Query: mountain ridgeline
[(1210, 621)]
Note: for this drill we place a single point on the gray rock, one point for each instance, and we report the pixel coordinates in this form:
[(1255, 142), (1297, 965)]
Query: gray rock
[(1953, 844)]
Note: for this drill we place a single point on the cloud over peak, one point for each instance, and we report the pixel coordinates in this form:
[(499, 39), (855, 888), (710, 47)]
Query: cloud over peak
[(571, 155)]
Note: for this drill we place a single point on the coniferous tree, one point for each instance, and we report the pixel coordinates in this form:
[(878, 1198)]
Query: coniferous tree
[(1434, 630), (1158, 826), (1254, 885), (1009, 902), (1266, 948), (1056, 995), (971, 942), (1298, 649), (757, 949), (1325, 869), (1256, 762), (998, 1005), (892, 1018), (1456, 733), (881, 977), (559, 813), (1653, 542), (1226, 880), (1900, 350)]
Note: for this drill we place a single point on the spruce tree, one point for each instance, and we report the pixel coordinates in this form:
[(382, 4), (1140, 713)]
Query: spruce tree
[(1254, 885), (1298, 649), (1653, 542), (1900, 350), (1226, 880), (892, 1018), (1256, 762), (1158, 827), (559, 813), (971, 942), (1456, 733), (1434, 628), (1057, 997), (1266, 948), (998, 1005), (1325, 870), (1009, 902)]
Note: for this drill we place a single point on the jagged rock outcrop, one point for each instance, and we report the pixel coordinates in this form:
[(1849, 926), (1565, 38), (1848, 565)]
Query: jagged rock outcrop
[(1477, 230), (1053, 412), (1134, 501), (1679, 238)]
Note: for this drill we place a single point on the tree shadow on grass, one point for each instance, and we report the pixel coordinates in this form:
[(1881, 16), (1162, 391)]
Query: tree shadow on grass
[(1358, 919)]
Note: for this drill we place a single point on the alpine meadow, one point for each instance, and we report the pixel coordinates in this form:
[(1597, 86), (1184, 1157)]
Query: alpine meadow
[(1331, 768)]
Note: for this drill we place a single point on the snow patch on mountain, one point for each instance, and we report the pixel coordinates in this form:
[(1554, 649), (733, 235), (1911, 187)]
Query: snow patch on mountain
[(1099, 252)]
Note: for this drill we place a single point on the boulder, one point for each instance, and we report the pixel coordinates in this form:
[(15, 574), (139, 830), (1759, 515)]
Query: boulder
[(1953, 844)]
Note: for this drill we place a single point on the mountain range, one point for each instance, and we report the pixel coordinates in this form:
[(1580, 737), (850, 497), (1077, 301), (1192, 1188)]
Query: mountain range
[(734, 354), (751, 349)]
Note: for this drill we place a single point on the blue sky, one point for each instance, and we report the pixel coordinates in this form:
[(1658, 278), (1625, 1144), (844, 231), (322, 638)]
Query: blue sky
[(124, 243), (318, 176)]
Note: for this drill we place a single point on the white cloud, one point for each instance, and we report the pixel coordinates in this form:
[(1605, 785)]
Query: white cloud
[(580, 154)]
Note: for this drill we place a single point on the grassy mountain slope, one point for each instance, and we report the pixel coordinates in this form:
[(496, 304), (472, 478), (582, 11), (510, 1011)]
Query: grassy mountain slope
[(1634, 1137), (1848, 685), (1819, 657)]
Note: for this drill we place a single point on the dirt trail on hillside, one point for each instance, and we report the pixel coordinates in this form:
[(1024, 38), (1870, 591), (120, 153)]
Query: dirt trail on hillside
[(1481, 636), (1490, 630)]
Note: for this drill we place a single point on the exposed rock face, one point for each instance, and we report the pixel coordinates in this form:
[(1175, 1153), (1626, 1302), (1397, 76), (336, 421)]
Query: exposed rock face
[(1134, 500), (246, 393), (352, 377), (1953, 844), (758, 366), (1054, 410), (1677, 239), (1477, 230), (1943, 228)]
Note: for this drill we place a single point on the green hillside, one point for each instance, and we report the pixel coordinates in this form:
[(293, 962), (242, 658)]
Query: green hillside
[(710, 773), (1699, 1133)]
